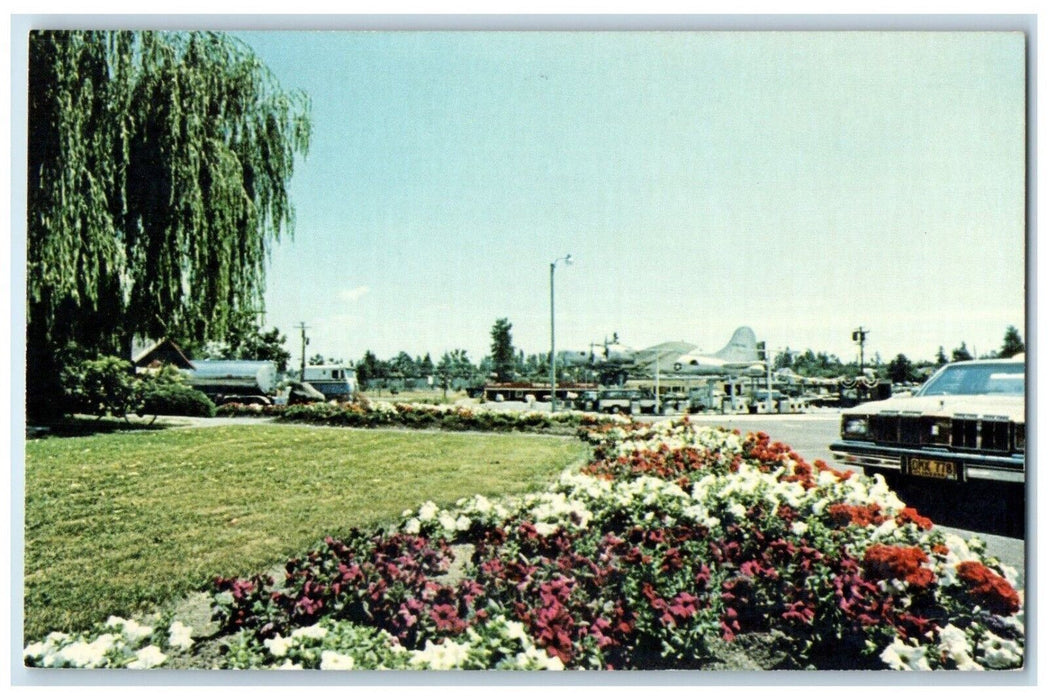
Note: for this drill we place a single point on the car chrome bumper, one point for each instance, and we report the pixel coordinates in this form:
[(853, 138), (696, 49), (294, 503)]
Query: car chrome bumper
[(976, 467)]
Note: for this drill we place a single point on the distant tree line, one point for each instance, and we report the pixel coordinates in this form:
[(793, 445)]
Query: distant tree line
[(454, 370), (900, 369)]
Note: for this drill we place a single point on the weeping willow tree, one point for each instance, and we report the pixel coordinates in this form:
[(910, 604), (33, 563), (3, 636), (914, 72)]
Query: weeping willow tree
[(159, 166)]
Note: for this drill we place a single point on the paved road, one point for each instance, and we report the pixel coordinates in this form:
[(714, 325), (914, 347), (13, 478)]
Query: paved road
[(810, 434)]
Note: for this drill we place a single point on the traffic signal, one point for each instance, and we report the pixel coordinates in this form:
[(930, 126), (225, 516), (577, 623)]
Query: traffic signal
[(762, 353)]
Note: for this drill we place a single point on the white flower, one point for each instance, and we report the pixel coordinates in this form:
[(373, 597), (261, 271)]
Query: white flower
[(180, 636), (515, 630), (997, 652), (289, 665), (427, 511), (798, 527), (1011, 575), (883, 530), (86, 655), (900, 656), (538, 659), (825, 479), (278, 646), (545, 529), (333, 661), (737, 510), (36, 649), (462, 523), (819, 506), (446, 521), (412, 526), (790, 492), (311, 632), (46, 651), (446, 655), (148, 657), (133, 631), (954, 644), (56, 637)]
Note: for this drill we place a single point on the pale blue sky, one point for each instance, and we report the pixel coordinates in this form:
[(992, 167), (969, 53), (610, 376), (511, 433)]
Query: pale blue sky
[(802, 184)]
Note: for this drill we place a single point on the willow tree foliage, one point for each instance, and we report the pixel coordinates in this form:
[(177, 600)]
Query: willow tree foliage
[(159, 166)]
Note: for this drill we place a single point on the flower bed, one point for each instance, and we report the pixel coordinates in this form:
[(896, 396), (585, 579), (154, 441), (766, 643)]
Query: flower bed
[(674, 543), (375, 414)]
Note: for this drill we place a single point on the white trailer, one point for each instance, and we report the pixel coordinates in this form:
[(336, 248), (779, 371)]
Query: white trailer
[(335, 382), (235, 381)]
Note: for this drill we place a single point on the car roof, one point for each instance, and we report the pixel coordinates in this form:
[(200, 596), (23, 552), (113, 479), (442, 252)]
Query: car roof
[(1021, 357)]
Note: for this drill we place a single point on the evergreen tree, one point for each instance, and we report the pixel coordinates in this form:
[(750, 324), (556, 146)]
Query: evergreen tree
[(425, 366), (502, 350), (900, 369), (961, 353), (369, 370), (447, 369), (1013, 343), (403, 368)]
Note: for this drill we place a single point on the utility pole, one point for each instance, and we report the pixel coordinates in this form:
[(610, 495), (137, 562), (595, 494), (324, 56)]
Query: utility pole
[(305, 341), (762, 355), (552, 337), (859, 336)]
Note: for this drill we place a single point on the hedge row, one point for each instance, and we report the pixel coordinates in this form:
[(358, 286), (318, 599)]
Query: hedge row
[(376, 414)]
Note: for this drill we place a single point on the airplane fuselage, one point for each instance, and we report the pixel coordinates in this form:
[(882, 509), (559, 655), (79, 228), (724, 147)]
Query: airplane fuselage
[(706, 365)]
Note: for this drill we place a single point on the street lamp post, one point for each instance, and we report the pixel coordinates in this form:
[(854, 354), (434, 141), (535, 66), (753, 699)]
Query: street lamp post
[(552, 336)]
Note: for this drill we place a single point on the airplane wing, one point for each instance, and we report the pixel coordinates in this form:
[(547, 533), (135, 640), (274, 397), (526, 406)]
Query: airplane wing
[(658, 353)]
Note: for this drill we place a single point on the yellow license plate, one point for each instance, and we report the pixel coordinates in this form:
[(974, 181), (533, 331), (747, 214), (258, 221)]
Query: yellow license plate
[(933, 468)]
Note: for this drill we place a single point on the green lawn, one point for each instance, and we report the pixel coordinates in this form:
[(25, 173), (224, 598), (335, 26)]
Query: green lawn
[(116, 523)]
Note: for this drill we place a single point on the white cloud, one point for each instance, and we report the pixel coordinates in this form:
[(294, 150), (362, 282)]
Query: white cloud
[(353, 294)]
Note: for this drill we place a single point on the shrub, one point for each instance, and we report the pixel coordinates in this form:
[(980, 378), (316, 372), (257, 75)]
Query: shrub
[(101, 386), (175, 400)]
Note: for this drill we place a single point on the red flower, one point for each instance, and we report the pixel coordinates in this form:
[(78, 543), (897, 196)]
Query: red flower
[(910, 515), (684, 606), (798, 611), (991, 590), (903, 563), (702, 578), (843, 514), (447, 619)]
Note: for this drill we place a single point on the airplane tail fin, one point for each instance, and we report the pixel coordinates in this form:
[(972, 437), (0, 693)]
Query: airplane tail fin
[(741, 348)]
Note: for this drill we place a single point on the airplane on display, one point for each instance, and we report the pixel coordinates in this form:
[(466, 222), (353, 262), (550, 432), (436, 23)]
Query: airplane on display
[(738, 358), (612, 355)]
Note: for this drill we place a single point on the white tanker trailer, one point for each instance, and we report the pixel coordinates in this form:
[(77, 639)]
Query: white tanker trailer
[(235, 381)]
